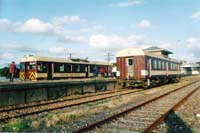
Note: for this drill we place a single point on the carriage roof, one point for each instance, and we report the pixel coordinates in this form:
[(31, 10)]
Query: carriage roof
[(138, 52)]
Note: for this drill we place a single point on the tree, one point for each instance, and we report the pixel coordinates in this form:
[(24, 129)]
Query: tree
[(4, 72)]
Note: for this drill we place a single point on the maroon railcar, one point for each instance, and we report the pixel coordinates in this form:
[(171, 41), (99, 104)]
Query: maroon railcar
[(146, 67)]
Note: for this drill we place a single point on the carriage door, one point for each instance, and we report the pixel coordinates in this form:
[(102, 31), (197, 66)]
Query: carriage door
[(50, 70), (130, 66)]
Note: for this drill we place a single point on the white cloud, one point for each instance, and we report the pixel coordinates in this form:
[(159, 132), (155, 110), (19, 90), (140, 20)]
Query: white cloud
[(196, 16), (193, 46), (193, 42), (57, 50), (144, 24), (127, 3), (69, 39), (7, 56), (58, 21), (96, 28), (34, 25), (4, 22), (114, 42)]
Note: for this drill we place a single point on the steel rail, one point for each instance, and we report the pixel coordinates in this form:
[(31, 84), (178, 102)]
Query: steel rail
[(98, 123), (61, 107), (11, 108), (161, 119)]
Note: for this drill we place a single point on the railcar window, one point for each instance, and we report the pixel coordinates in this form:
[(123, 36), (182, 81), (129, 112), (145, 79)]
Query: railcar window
[(82, 68), (22, 66), (32, 66), (62, 68), (39, 67), (68, 68), (76, 68)]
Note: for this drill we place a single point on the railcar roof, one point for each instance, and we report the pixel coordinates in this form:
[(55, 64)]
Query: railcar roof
[(32, 58), (155, 48), (137, 52)]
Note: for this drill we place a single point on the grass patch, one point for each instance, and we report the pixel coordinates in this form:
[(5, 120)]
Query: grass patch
[(14, 126)]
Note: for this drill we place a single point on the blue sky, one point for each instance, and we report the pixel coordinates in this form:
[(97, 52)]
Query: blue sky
[(91, 28)]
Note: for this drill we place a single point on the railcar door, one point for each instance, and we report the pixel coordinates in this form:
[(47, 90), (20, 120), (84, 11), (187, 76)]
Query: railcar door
[(50, 70), (130, 68), (87, 70)]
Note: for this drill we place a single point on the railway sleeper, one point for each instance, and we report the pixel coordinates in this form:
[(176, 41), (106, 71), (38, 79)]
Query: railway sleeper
[(132, 127), (114, 130)]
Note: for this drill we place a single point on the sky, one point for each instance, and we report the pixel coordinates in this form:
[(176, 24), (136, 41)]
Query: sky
[(93, 28)]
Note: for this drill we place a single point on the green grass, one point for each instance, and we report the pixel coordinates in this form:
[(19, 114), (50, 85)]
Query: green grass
[(14, 126)]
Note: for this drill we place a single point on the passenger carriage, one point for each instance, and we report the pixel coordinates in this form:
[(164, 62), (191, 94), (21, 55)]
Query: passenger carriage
[(38, 67), (149, 67)]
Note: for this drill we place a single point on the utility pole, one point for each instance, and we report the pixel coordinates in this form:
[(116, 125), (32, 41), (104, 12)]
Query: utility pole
[(70, 55), (109, 56)]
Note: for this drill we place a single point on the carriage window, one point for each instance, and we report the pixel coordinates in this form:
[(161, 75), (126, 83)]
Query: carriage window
[(130, 62), (159, 64), (171, 66), (155, 64), (163, 65)]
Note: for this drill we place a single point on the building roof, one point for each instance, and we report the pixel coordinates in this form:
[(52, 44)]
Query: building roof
[(190, 65)]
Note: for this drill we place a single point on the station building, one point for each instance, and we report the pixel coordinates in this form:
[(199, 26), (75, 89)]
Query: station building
[(190, 69)]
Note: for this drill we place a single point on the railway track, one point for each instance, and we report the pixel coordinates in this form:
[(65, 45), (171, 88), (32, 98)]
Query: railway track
[(145, 116), (23, 106), (21, 111)]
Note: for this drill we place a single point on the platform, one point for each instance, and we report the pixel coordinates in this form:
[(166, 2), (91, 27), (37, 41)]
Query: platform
[(21, 92)]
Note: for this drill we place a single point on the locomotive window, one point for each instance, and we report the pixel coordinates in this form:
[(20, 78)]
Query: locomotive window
[(130, 62)]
